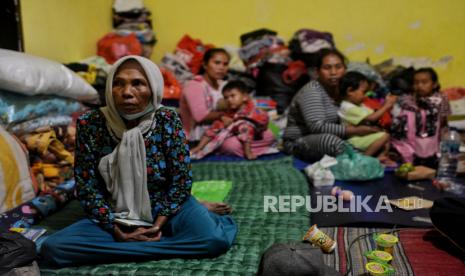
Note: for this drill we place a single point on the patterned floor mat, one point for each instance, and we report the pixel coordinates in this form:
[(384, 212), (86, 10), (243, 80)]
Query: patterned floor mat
[(419, 251), (356, 264)]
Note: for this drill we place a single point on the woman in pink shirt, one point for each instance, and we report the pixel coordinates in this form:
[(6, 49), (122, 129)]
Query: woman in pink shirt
[(198, 104)]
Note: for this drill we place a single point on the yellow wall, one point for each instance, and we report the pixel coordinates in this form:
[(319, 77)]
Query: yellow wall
[(67, 30), (379, 29), (64, 30)]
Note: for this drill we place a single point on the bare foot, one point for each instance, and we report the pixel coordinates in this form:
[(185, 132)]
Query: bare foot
[(217, 207), (193, 153), (248, 151), (194, 150), (249, 155), (387, 162)]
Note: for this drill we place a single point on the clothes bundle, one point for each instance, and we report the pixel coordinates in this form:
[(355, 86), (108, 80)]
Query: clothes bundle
[(46, 178), (456, 96), (305, 43), (93, 73), (191, 51), (177, 66), (172, 88), (34, 210), (186, 60), (132, 34), (16, 108), (133, 17), (114, 46), (261, 46), (44, 162), (43, 127)]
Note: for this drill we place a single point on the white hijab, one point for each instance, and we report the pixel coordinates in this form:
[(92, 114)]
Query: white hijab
[(124, 170)]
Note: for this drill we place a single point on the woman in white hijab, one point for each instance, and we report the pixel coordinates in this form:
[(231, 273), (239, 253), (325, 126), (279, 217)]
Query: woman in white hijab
[(132, 163)]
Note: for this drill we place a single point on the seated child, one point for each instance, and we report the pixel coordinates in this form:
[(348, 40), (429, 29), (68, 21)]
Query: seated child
[(241, 119), (353, 87), (416, 129)]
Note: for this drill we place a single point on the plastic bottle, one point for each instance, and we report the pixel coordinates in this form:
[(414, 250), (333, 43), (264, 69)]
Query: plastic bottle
[(447, 169)]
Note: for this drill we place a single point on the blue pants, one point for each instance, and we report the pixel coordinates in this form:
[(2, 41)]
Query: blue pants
[(193, 232)]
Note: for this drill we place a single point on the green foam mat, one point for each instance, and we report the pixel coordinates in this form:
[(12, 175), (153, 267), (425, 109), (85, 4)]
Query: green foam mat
[(257, 229)]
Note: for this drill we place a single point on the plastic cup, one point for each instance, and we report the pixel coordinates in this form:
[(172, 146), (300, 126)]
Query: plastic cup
[(379, 269), (386, 242), (379, 256), (320, 239)]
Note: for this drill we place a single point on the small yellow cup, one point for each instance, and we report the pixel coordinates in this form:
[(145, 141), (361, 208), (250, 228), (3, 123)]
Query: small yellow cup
[(379, 269), (386, 242), (378, 256)]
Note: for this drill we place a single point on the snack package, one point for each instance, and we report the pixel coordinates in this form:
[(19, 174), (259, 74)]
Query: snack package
[(411, 203)]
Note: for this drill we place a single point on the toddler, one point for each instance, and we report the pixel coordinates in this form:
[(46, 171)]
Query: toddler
[(353, 87)]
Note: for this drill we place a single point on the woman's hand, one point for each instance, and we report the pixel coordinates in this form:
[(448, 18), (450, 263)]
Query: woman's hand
[(212, 116), (360, 130), (226, 120), (138, 234), (130, 235), (221, 105), (153, 233)]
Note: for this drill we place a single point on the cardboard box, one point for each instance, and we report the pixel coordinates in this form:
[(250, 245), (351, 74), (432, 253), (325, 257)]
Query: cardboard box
[(420, 173)]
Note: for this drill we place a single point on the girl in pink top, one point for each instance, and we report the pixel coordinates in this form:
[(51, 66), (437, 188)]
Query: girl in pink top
[(200, 97), (416, 130)]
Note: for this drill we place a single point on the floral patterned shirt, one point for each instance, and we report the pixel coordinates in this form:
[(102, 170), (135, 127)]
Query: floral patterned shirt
[(169, 174)]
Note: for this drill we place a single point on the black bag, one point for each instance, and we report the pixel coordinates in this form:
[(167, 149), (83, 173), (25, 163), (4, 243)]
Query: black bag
[(245, 77), (295, 258), (270, 83), (15, 251), (448, 216)]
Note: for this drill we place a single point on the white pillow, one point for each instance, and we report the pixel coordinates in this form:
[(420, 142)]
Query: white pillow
[(31, 75)]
